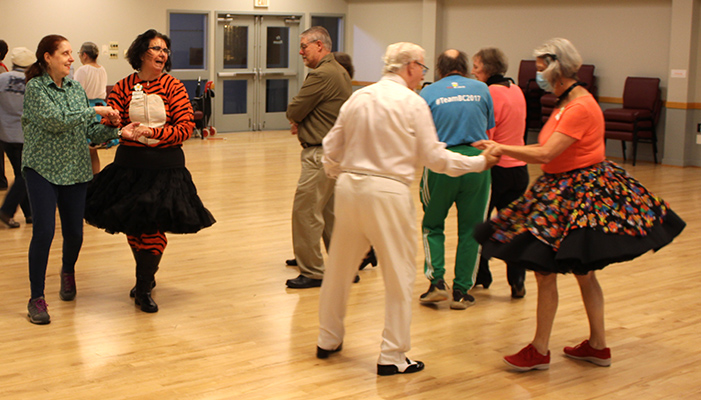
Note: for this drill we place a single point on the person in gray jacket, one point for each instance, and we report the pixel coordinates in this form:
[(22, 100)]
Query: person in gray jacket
[(11, 137)]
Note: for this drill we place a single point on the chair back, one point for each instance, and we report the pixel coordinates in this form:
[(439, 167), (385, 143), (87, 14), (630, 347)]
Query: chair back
[(526, 75), (586, 75), (642, 93)]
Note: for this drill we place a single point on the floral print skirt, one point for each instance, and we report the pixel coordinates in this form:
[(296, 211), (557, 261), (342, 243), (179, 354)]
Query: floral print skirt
[(579, 221)]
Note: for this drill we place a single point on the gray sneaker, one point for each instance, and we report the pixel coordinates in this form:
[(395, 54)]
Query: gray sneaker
[(68, 290), (38, 311), (461, 300), (435, 293)]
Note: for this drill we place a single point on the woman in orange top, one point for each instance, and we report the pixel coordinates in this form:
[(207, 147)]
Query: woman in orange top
[(147, 190), (582, 214)]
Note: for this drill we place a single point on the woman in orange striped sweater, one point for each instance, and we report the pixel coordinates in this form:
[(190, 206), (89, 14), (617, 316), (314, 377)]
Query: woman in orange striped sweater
[(147, 190)]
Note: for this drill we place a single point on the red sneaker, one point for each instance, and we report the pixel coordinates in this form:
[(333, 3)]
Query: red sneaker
[(584, 351), (527, 359)]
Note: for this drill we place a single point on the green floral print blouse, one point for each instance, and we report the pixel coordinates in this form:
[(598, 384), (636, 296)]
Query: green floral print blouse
[(57, 123)]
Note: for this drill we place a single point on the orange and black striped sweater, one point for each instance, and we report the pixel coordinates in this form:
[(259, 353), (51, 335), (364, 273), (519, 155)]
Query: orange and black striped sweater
[(162, 104)]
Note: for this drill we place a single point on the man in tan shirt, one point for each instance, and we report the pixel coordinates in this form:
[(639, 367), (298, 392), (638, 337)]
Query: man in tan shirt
[(312, 113)]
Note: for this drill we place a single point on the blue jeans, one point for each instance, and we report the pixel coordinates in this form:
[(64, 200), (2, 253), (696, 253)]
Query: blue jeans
[(44, 196)]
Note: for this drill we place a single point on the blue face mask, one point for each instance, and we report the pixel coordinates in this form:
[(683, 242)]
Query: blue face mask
[(542, 82)]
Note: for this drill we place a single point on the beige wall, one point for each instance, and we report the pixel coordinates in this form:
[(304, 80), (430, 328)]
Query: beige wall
[(24, 23), (622, 37)]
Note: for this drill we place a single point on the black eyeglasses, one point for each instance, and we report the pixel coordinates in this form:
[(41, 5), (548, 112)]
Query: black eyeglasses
[(425, 68), (158, 49)]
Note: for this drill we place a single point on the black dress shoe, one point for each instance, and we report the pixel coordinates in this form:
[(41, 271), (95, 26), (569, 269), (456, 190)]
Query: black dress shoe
[(302, 282), (391, 369), (321, 353), (369, 259), (518, 291), (356, 279), (292, 262)]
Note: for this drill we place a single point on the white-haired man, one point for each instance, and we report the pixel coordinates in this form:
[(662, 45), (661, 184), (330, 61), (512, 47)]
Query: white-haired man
[(382, 133)]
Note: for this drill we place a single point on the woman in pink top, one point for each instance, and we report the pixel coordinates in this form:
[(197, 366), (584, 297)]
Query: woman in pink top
[(582, 214), (509, 176)]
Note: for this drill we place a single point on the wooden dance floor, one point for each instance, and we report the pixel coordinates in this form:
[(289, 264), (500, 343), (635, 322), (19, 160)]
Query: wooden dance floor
[(228, 328)]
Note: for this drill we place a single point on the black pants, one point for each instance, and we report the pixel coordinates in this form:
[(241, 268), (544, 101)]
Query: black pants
[(44, 196), (17, 195), (508, 184)]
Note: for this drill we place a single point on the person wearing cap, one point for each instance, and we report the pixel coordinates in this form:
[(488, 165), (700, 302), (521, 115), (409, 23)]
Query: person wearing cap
[(3, 68), (11, 137)]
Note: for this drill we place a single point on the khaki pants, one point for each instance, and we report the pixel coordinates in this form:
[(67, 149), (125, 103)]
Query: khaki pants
[(312, 214)]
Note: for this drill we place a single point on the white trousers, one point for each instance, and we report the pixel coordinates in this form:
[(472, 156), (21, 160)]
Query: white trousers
[(378, 212)]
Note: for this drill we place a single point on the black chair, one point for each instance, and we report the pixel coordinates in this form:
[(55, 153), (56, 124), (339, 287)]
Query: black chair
[(637, 120)]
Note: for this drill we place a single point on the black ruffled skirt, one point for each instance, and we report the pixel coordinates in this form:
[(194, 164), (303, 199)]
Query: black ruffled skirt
[(580, 221), (146, 190)]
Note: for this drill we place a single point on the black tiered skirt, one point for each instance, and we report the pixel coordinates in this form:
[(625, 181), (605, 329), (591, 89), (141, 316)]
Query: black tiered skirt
[(579, 221), (146, 190)]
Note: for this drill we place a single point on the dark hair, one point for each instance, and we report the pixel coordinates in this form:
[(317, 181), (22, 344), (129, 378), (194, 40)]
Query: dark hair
[(345, 61), (494, 61), (90, 49), (48, 44), (140, 45), (3, 49), (447, 64)]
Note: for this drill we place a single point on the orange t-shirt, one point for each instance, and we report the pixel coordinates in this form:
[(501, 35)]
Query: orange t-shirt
[(583, 120)]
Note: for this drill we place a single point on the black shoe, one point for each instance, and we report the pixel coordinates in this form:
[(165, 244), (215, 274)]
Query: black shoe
[(435, 293), (302, 282), (369, 259), (8, 221), (518, 291), (132, 292), (356, 279), (484, 278), (391, 369), (146, 302), (292, 262), (321, 353)]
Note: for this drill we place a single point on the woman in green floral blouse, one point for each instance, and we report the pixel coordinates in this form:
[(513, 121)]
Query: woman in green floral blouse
[(57, 123)]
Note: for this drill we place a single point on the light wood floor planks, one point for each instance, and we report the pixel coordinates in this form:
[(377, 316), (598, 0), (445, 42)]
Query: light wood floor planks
[(229, 329)]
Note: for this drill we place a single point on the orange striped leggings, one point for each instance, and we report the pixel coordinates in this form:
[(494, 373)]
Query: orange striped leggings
[(154, 243)]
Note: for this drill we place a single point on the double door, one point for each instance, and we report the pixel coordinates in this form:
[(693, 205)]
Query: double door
[(257, 71)]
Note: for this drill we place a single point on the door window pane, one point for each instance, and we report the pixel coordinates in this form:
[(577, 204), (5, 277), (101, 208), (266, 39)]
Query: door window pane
[(276, 91), (188, 33), (235, 46), (235, 96), (190, 86), (278, 47), (334, 26)]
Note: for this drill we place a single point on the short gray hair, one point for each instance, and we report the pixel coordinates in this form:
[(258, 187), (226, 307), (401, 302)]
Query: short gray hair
[(90, 49), (400, 54), (494, 61), (562, 58), (318, 33)]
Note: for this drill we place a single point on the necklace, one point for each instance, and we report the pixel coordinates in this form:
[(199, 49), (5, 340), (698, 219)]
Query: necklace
[(566, 93)]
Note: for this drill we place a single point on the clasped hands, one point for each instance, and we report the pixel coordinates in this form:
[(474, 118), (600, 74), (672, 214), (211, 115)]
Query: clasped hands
[(133, 131), (491, 151)]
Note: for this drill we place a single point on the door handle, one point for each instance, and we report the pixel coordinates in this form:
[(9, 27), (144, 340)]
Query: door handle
[(233, 74)]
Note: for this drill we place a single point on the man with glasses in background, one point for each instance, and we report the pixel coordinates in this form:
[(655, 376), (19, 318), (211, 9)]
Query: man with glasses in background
[(312, 113), (462, 112)]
